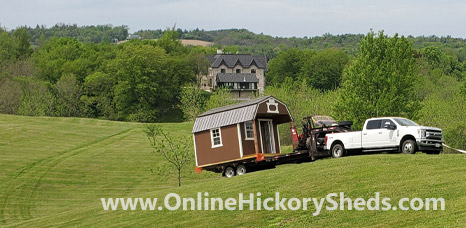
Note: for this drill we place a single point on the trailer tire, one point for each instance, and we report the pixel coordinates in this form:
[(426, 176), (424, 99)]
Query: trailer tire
[(240, 170), (408, 147), (338, 150), (229, 172)]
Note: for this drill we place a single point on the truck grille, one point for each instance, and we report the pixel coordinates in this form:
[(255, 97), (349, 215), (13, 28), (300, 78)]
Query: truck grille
[(437, 135)]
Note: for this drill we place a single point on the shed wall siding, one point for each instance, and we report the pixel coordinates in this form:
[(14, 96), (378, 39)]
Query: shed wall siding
[(229, 151), (248, 145)]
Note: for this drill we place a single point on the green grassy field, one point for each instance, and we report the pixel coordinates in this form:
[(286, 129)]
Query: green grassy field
[(55, 170)]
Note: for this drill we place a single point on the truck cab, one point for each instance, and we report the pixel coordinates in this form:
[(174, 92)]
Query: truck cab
[(387, 134)]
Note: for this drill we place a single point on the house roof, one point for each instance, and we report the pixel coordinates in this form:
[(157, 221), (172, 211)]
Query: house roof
[(231, 60), (228, 115), (237, 77)]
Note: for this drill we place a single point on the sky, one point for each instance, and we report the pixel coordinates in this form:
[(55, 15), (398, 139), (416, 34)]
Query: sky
[(272, 17)]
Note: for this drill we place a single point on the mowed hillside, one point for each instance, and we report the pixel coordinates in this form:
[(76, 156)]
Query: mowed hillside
[(55, 170)]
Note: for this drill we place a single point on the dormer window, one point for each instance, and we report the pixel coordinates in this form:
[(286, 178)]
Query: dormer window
[(253, 71), (222, 70), (238, 71)]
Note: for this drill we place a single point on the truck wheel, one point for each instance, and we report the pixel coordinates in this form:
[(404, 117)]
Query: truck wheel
[(240, 170), (337, 150), (229, 172), (408, 147)]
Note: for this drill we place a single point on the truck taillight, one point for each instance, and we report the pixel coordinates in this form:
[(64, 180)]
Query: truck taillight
[(326, 138)]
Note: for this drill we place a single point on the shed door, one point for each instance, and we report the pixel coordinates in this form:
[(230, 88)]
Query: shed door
[(267, 136)]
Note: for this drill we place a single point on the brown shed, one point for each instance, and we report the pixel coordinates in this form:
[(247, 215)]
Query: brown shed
[(240, 131)]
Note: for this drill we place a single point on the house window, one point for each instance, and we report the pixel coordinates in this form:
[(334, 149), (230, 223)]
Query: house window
[(253, 71), (249, 132), (216, 137), (222, 70), (238, 71)]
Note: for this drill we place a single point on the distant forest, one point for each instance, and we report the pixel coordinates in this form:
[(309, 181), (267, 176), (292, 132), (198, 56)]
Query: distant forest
[(79, 71), (239, 40)]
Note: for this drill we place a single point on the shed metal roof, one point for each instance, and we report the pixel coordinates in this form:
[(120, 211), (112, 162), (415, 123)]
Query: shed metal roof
[(228, 115), (237, 77)]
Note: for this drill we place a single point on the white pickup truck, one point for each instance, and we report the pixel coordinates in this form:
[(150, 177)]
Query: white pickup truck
[(387, 134)]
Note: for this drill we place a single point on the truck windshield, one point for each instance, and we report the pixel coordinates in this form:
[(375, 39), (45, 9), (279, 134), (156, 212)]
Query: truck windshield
[(405, 122)]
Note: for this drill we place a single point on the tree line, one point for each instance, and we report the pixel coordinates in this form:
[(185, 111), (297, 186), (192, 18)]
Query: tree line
[(238, 40), (139, 80), (157, 81)]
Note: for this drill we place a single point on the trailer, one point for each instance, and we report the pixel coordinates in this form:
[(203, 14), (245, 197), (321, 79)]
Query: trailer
[(235, 138)]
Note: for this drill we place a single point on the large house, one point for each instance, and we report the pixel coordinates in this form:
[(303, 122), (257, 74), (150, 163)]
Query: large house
[(242, 74)]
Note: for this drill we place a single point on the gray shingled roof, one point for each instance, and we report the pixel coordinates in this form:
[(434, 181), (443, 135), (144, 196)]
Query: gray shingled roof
[(231, 60), (237, 77)]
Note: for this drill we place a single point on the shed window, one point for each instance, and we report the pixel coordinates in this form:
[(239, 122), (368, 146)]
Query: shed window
[(216, 137), (248, 130)]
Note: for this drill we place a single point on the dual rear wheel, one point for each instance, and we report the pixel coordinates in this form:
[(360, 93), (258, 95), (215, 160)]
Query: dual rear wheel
[(230, 171)]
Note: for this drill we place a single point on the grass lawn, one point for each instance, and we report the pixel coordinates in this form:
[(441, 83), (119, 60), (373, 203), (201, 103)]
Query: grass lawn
[(55, 170)]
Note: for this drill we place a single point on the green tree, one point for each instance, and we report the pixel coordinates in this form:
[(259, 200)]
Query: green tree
[(8, 50), (23, 42), (57, 58), (68, 96), (192, 101), (98, 95), (170, 42), (287, 64), (220, 97), (380, 81), (36, 99), (324, 69), (10, 94), (174, 149), (148, 81)]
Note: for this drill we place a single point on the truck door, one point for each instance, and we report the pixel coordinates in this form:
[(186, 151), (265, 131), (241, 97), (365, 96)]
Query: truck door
[(388, 135), (371, 134)]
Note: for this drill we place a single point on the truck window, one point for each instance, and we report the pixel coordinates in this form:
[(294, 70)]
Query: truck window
[(387, 121), (374, 124), (405, 122)]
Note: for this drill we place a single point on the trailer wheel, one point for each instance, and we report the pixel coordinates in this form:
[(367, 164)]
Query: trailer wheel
[(229, 172), (337, 150), (408, 147), (240, 170)]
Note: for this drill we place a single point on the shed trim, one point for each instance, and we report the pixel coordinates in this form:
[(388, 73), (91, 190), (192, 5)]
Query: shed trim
[(269, 121), (240, 141), (195, 150)]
